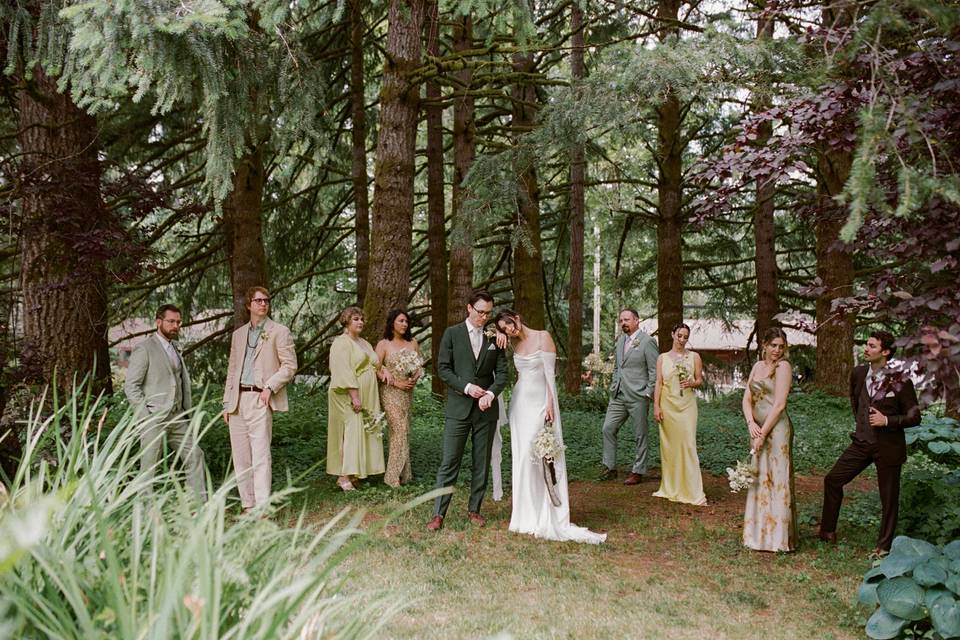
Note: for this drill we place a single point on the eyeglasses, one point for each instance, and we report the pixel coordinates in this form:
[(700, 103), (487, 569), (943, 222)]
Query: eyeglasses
[(482, 313), (261, 300)]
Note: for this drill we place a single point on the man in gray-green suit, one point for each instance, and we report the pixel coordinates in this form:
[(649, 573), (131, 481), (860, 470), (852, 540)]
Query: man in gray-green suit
[(475, 372), (634, 377), (158, 388)]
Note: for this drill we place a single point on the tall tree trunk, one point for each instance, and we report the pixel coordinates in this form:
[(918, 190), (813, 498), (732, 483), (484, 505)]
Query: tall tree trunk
[(578, 169), (764, 232), (391, 237), (528, 294), (243, 230), (834, 260), (669, 197), (64, 239), (358, 139), (464, 151), (436, 223)]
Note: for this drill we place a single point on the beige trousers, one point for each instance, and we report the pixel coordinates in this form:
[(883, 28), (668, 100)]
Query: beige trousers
[(251, 429)]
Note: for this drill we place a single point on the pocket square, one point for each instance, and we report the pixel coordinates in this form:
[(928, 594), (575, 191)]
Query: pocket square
[(890, 394), (492, 347)]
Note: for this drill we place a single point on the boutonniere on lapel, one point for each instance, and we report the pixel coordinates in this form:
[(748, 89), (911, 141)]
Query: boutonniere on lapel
[(490, 332), (264, 336), (890, 384)]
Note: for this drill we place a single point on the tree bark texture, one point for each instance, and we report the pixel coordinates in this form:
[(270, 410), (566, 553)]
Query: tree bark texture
[(358, 140), (391, 240), (578, 170), (464, 151), (436, 214), (834, 260), (65, 239), (528, 293), (669, 198), (764, 231), (243, 231)]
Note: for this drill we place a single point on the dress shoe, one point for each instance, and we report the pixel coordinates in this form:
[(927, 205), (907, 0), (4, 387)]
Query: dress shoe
[(436, 524), (476, 519), (828, 536), (633, 478), (346, 485), (608, 474)]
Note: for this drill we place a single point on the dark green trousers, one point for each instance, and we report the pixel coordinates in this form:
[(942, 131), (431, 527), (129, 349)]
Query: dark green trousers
[(480, 426)]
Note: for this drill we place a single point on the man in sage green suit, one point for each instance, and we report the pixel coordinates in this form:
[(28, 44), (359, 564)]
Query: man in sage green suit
[(157, 386), (634, 377), (475, 372)]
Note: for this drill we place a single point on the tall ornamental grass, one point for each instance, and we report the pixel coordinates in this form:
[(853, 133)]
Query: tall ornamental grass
[(91, 548)]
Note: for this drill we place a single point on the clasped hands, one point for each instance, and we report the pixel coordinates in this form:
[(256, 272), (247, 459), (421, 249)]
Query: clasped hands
[(757, 436), (483, 398), (387, 378)]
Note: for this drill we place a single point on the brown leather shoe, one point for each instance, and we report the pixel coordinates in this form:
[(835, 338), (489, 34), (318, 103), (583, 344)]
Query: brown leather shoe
[(436, 524), (633, 478), (829, 537), (476, 519), (607, 474)]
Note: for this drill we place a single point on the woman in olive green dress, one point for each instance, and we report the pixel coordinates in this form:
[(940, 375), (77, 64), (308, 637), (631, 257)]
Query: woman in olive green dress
[(352, 450)]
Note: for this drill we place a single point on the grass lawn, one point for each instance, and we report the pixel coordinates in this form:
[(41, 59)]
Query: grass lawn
[(666, 571)]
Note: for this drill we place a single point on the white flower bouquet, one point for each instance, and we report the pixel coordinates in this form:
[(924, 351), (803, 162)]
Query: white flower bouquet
[(373, 424), (407, 364), (744, 475)]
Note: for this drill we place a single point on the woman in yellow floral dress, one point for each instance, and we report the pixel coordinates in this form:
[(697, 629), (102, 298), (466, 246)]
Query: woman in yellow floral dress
[(679, 373), (770, 519), (352, 451), (400, 355)]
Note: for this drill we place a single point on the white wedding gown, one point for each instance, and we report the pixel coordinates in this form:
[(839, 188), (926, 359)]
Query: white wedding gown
[(533, 513)]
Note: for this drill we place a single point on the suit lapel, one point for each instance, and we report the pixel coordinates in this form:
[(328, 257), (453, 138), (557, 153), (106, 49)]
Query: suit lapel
[(483, 349), (265, 329)]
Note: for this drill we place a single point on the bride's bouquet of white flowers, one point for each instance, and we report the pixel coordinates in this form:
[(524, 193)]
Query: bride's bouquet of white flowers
[(546, 448), (407, 363), (745, 474)]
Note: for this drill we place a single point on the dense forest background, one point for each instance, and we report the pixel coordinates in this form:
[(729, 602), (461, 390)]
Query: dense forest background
[(789, 162)]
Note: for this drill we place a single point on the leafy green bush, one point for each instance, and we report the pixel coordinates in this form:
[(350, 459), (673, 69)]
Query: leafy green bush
[(91, 548), (914, 589), (930, 485)]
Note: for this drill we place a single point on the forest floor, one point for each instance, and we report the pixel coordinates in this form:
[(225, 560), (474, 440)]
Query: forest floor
[(667, 570)]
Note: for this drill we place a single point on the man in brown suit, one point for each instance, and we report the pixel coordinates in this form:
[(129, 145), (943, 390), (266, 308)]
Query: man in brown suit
[(884, 404), (262, 361)]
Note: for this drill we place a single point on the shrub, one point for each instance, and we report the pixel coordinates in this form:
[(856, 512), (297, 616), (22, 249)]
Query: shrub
[(914, 589), (92, 548), (930, 486)]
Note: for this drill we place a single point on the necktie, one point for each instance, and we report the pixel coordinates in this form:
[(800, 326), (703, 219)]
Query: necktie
[(173, 354), (627, 344), (475, 341)]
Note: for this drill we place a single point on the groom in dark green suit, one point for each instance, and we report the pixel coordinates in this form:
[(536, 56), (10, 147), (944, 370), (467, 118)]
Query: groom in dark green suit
[(475, 372)]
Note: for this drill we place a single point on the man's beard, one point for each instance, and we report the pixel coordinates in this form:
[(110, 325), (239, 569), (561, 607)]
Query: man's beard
[(170, 336)]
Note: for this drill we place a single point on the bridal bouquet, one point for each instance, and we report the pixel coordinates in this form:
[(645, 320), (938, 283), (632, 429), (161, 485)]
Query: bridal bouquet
[(546, 448), (373, 424), (407, 364), (744, 475)]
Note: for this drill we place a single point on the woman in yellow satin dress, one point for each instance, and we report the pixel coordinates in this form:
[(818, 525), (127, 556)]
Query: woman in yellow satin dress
[(679, 373)]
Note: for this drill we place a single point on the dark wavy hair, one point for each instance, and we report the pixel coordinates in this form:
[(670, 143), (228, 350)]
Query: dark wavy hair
[(680, 325), (391, 317), (886, 340), (507, 315)]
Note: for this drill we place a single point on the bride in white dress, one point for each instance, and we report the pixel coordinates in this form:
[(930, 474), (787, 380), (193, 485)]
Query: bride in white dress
[(533, 402)]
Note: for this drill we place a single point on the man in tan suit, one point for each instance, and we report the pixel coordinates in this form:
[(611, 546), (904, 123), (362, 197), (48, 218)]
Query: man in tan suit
[(157, 386), (262, 361)]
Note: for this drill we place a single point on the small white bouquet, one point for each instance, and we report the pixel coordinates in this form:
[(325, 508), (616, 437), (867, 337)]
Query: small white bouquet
[(744, 476), (373, 424), (407, 364), (545, 445)]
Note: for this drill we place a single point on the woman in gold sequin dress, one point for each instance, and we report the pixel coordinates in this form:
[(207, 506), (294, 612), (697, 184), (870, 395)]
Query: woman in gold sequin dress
[(770, 519), (400, 355)]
